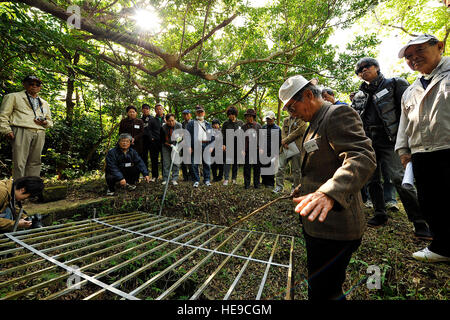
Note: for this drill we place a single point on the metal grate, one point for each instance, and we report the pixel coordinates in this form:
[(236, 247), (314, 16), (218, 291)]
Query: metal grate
[(143, 256)]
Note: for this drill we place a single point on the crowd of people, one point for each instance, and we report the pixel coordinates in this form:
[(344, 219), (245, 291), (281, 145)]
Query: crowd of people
[(340, 155)]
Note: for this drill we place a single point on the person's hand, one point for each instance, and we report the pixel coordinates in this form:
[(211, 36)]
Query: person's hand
[(224, 148), (147, 179), (132, 140), (405, 158), (315, 205), (10, 136), (40, 122), (190, 150), (285, 145), (24, 223), (123, 182), (211, 150)]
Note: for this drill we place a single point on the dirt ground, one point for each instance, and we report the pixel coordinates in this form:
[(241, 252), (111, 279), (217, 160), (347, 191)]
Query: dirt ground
[(388, 248)]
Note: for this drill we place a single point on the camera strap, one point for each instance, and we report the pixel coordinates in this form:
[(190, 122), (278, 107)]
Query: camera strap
[(32, 106)]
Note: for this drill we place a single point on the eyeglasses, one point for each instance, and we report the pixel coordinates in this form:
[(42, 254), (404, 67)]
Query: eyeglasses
[(361, 68), (419, 50), (290, 107)]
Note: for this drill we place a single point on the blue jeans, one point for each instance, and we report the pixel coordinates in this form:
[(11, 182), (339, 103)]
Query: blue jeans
[(206, 167), (7, 214)]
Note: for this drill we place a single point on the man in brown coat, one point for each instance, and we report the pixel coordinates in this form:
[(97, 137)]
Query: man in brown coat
[(337, 160)]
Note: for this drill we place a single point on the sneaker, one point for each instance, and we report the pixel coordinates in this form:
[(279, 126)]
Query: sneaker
[(152, 179), (277, 189), (196, 184), (164, 182), (429, 256), (109, 192), (208, 183), (392, 205), (174, 183), (368, 204), (225, 182), (378, 220), (131, 187), (234, 181), (422, 231)]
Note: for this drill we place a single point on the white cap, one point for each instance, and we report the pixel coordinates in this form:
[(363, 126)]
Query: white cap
[(417, 40), (270, 115), (290, 87)]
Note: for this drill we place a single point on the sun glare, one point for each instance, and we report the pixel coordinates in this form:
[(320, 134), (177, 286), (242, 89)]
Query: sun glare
[(147, 20)]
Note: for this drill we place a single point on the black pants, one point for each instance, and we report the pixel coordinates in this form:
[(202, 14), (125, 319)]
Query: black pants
[(432, 172), (268, 180), (131, 176), (386, 156), (327, 261), (217, 171), (145, 149), (248, 170), (155, 151)]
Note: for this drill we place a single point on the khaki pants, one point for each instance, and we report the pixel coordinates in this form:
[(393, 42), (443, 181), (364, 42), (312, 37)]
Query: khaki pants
[(295, 167), (27, 148)]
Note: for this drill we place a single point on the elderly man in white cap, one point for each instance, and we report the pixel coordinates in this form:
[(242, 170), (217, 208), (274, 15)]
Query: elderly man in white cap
[(424, 138), (337, 160), (270, 132)]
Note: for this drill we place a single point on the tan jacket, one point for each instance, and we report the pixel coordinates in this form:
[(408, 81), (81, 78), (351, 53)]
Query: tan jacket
[(293, 130), (16, 111), (342, 164), (5, 197), (425, 118)]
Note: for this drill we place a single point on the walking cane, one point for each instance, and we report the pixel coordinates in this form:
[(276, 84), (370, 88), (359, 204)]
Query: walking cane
[(289, 196), (174, 152)]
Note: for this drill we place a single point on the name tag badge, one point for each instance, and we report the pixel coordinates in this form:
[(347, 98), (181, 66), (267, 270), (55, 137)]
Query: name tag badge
[(382, 93), (136, 126), (128, 164), (311, 146)]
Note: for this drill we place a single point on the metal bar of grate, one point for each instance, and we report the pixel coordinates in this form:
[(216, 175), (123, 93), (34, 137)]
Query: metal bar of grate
[(118, 256)]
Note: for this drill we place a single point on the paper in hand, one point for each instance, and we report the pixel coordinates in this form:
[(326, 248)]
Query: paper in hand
[(408, 178)]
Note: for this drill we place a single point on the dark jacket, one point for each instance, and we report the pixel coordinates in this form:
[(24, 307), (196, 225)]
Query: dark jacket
[(166, 140), (230, 125), (135, 127), (191, 128), (269, 136), (385, 95), (146, 120), (154, 128), (247, 126), (116, 161)]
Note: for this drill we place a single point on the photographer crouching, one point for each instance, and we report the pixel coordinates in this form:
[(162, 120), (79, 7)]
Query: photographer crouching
[(12, 193)]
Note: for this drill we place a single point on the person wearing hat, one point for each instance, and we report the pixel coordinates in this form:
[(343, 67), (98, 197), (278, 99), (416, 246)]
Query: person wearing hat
[(186, 169), (154, 128), (217, 165), (378, 102), (270, 132), (146, 136), (24, 116), (337, 160), (123, 165), (423, 137), (231, 163), (251, 149), (201, 137)]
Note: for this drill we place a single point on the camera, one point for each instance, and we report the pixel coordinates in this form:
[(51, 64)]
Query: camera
[(36, 221), (39, 118)]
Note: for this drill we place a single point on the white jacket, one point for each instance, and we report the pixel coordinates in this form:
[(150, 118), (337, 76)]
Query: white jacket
[(425, 118)]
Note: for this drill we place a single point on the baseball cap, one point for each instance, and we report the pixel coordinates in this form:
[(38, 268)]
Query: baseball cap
[(290, 87), (417, 40), (30, 78), (270, 115), (186, 111)]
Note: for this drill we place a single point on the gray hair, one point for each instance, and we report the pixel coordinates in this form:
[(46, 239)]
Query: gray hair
[(126, 136), (315, 91)]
